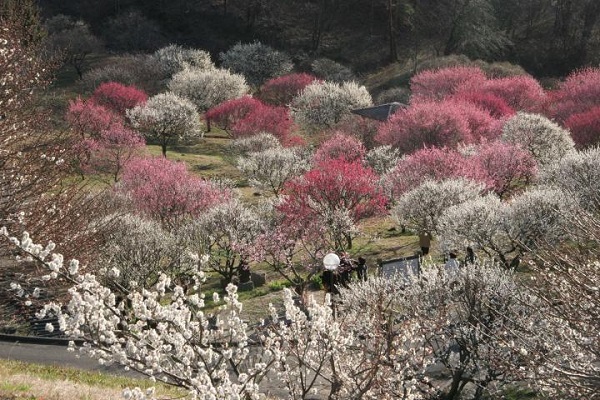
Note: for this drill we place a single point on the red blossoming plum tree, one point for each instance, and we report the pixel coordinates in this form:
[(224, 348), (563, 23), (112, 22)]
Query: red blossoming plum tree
[(335, 194), (118, 97)]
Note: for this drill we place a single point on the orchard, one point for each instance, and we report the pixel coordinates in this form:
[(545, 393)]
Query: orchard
[(152, 216)]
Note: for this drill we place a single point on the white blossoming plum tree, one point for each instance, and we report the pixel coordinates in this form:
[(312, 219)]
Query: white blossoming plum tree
[(506, 231), (379, 344), (578, 174), (142, 250), (208, 88), (223, 232), (383, 158), (166, 117), (272, 168), (566, 278), (257, 62), (160, 331), (174, 58), (420, 208), (323, 104), (545, 140)]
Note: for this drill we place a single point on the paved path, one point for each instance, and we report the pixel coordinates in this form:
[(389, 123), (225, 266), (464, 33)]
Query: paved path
[(54, 355), (59, 356)]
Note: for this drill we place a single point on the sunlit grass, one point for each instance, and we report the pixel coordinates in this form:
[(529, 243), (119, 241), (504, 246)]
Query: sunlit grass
[(22, 380)]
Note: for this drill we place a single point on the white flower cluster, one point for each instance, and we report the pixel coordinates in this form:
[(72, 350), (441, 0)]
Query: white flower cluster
[(578, 174), (161, 332), (383, 158)]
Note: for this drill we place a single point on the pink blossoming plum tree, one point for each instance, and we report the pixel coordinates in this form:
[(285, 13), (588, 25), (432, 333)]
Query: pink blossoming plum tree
[(166, 191), (341, 146), (427, 164), (585, 127), (439, 84), (503, 167), (579, 93), (444, 124), (88, 118), (111, 150)]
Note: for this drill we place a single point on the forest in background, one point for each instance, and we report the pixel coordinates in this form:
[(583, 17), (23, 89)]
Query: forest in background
[(549, 38)]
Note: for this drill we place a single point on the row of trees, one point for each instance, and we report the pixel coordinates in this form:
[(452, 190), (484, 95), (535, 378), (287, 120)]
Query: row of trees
[(547, 37)]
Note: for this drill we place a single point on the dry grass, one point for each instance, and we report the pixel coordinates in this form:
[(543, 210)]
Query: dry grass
[(20, 381)]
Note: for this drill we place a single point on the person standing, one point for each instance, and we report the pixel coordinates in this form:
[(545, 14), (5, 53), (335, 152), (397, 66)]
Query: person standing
[(361, 269), (452, 264), (424, 242), (471, 257)]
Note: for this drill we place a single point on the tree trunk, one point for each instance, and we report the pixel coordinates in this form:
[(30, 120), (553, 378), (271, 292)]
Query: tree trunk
[(392, 32)]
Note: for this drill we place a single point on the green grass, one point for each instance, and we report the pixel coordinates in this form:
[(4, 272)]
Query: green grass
[(14, 387)]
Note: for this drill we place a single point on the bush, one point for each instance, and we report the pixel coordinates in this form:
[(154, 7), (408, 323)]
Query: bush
[(256, 62), (330, 70)]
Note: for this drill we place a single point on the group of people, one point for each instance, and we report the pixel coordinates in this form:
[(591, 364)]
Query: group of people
[(344, 274), (452, 264)]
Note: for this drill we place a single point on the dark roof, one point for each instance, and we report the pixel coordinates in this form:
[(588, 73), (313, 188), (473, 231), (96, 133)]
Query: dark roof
[(381, 112)]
